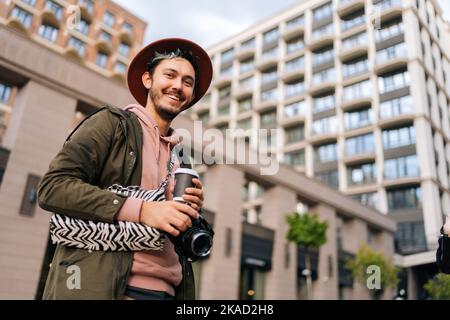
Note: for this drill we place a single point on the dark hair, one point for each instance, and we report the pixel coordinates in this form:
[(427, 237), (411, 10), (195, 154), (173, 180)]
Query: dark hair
[(178, 53)]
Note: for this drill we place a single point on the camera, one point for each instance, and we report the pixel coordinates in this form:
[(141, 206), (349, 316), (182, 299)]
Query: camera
[(195, 243)]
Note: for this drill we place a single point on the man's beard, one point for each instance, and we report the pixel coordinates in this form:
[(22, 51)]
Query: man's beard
[(164, 112)]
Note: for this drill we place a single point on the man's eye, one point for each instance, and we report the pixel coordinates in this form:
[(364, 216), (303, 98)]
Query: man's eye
[(188, 83), (169, 75)]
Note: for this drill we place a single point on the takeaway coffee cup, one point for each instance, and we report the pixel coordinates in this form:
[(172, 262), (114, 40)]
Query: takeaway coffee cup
[(183, 180)]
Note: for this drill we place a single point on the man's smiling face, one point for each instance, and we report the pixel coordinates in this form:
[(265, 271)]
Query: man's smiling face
[(171, 87)]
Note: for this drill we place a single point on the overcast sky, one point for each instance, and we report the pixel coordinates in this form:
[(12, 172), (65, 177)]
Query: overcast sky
[(208, 21)]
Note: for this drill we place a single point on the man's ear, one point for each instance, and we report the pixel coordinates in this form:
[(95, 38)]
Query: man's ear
[(147, 79)]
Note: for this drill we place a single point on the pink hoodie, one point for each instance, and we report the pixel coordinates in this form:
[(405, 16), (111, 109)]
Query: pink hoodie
[(154, 270)]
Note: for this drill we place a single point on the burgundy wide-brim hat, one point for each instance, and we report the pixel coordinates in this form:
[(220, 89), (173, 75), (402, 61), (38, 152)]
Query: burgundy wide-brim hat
[(139, 66)]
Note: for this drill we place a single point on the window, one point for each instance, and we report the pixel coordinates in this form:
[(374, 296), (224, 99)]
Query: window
[(357, 40), (295, 22), (270, 54), (224, 92), (394, 81), (327, 75), (83, 27), (30, 2), (352, 21), (358, 119), (270, 36), (323, 103), (88, 4), (227, 56), (294, 134), (55, 8), (401, 167), (323, 12), (396, 107), (295, 109), (410, 237), (324, 31), (120, 68), (362, 174), (246, 65), (398, 137), (245, 105), (390, 53), (295, 64), (358, 90), (325, 125), (323, 56), (29, 199), (269, 95), (390, 30), (244, 124), (102, 59), (247, 83), (330, 178), (124, 49), (269, 76), (360, 145), (204, 117), (268, 118), (294, 88), (326, 153), (105, 36), (295, 45), (404, 198), (367, 199), (386, 4), (5, 93), (355, 67), (227, 71), (109, 19), (249, 44), (295, 158), (48, 32), (23, 16), (128, 28), (78, 45), (223, 110)]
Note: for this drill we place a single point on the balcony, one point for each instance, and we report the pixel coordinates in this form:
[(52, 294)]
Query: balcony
[(126, 37), (292, 32), (223, 80), (16, 24), (361, 158), (86, 11), (319, 88), (245, 53), (348, 6), (348, 53), (296, 119), (321, 41), (395, 121), (356, 103), (49, 17), (267, 63), (391, 59), (401, 182), (323, 138), (243, 92), (386, 10), (293, 74), (104, 46)]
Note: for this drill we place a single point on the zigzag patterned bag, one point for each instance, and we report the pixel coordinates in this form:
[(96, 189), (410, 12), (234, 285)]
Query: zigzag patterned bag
[(118, 236)]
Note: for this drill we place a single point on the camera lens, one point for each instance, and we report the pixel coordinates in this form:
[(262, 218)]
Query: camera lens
[(201, 244)]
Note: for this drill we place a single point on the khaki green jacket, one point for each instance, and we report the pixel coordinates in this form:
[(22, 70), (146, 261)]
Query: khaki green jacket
[(104, 150)]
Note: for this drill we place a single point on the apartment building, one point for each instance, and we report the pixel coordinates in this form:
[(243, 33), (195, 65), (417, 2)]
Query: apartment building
[(100, 35), (358, 92)]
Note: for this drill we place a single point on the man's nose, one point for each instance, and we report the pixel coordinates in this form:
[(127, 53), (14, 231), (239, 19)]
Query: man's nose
[(177, 84)]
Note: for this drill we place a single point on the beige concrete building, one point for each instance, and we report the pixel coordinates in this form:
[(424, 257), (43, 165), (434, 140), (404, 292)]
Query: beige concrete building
[(100, 35), (358, 91), (251, 258)]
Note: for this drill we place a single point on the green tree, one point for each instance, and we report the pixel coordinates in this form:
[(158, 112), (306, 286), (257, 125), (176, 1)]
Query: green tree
[(306, 230), (362, 268), (439, 287)]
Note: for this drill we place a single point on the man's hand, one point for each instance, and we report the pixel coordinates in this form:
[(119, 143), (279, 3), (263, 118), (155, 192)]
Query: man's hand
[(194, 195), (169, 216), (447, 226)]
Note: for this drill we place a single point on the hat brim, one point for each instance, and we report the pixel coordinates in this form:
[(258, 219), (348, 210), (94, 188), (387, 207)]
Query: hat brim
[(138, 67)]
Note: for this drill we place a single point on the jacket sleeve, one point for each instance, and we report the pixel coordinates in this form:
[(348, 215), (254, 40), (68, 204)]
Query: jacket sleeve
[(443, 254), (68, 187)]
